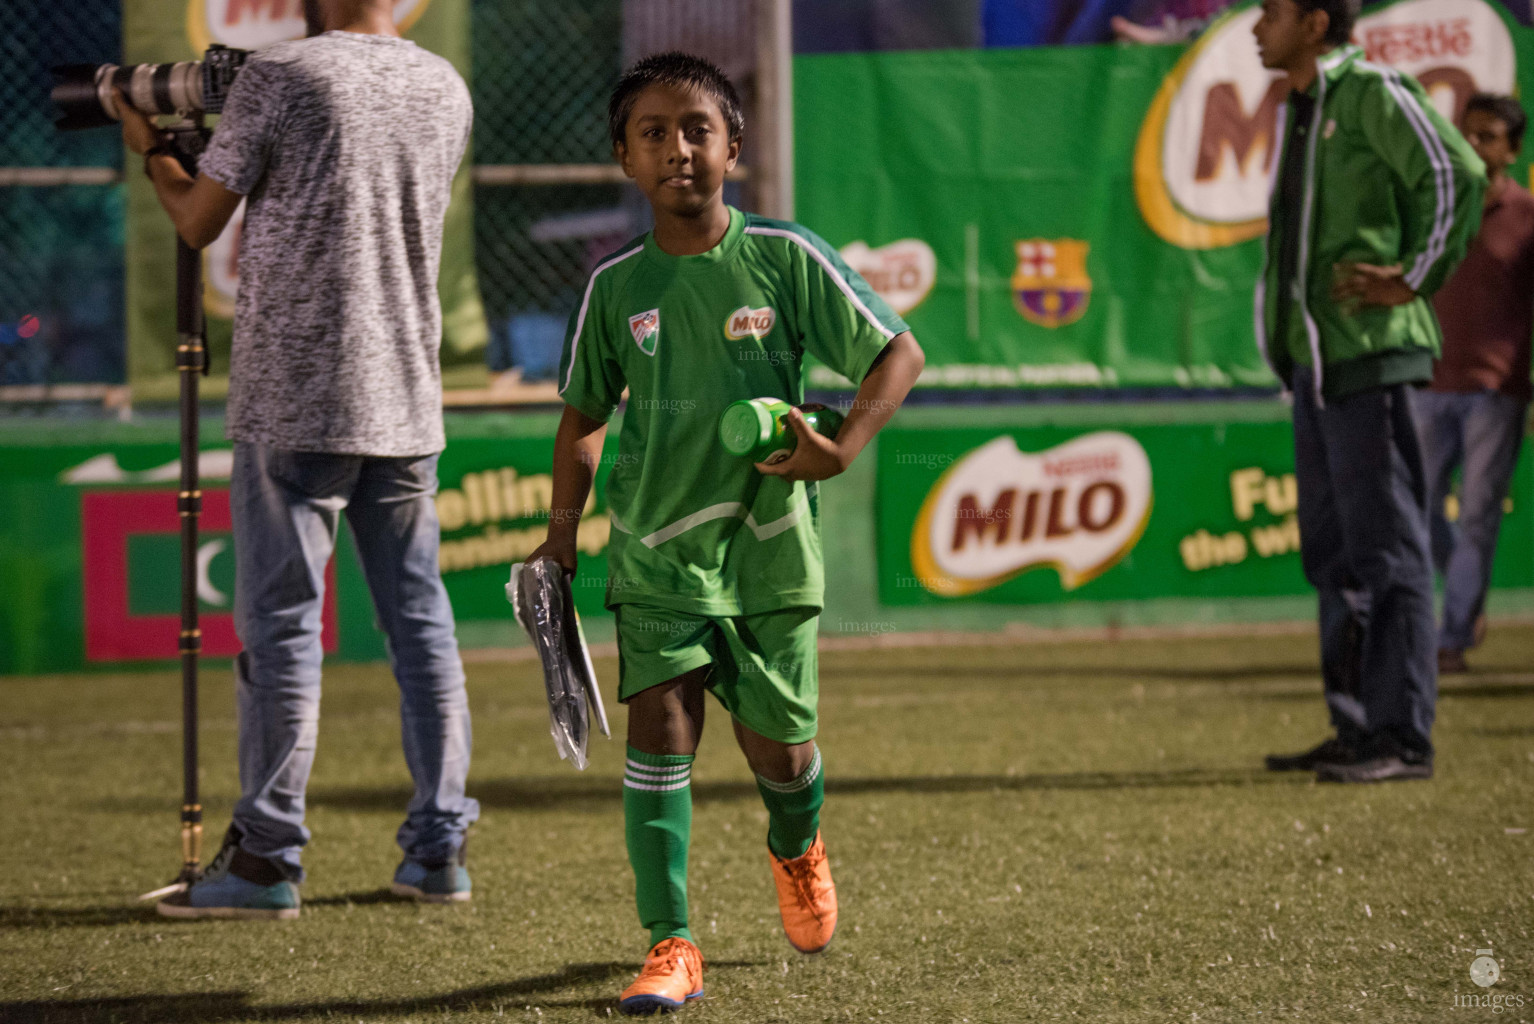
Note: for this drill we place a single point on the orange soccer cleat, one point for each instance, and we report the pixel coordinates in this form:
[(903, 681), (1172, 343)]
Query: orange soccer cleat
[(806, 897), (672, 974)]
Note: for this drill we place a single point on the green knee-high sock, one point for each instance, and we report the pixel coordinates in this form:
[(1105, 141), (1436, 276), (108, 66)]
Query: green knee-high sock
[(793, 810), (657, 821)]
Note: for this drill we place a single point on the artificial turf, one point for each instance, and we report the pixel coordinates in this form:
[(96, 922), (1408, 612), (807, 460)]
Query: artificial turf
[(1044, 831)]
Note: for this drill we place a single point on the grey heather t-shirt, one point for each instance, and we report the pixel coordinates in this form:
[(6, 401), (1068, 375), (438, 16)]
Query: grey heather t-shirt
[(346, 146)]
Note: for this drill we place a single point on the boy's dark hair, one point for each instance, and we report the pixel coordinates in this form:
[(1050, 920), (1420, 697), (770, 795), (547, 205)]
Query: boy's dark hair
[(1504, 109), (674, 68), (1343, 15)]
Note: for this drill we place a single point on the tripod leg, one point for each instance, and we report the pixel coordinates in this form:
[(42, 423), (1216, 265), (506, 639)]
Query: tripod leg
[(191, 359), (188, 140)]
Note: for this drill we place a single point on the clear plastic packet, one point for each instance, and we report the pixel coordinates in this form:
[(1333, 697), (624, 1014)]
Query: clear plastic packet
[(541, 599)]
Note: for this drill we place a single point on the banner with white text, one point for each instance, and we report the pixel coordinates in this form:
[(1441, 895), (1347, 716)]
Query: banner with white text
[(1122, 511)]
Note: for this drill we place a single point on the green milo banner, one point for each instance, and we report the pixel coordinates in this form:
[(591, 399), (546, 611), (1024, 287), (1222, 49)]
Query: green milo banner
[(1087, 216), (159, 31), (1139, 510), (91, 551), (963, 509)]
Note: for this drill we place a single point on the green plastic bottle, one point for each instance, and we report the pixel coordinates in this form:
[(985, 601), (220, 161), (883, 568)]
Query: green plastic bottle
[(757, 429)]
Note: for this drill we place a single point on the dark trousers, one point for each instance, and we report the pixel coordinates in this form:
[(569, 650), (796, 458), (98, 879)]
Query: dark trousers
[(1480, 433), (1364, 546)]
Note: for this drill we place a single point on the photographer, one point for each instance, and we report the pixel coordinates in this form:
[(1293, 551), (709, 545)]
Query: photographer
[(345, 144)]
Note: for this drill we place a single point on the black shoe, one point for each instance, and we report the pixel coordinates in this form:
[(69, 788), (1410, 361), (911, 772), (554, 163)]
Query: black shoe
[(1332, 751), (1386, 768)]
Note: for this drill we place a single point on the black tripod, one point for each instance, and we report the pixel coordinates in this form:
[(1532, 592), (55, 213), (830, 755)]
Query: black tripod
[(188, 139)]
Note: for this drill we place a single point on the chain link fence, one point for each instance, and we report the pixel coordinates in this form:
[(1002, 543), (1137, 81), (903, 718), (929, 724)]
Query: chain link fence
[(61, 245), (542, 73), (549, 201)]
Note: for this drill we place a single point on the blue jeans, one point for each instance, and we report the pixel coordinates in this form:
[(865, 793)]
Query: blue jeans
[(1481, 433), (1364, 547), (287, 506)]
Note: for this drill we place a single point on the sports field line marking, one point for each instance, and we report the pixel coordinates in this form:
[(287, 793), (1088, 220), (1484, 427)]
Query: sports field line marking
[(1012, 636), (1137, 692)]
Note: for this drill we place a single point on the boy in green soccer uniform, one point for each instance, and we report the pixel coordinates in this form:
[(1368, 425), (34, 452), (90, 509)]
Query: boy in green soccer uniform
[(716, 577)]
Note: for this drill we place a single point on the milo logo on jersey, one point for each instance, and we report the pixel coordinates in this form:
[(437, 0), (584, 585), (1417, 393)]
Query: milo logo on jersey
[(249, 24), (746, 322), (998, 512), (1205, 151)]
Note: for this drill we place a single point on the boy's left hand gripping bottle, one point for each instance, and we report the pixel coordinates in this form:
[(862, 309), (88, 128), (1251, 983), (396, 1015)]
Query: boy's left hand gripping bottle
[(758, 428)]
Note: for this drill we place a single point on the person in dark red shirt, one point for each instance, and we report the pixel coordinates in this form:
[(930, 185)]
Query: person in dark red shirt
[(1473, 415)]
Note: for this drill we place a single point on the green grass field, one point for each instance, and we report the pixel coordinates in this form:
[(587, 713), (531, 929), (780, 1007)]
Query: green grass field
[(1050, 831)]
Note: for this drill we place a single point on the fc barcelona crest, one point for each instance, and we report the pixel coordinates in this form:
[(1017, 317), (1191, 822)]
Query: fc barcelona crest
[(1050, 285), (646, 330)]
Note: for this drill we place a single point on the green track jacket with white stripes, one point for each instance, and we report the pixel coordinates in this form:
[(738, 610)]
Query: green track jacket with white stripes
[(1387, 181)]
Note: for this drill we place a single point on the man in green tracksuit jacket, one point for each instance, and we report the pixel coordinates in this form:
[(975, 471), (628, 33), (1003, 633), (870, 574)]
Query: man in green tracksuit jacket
[(1375, 198)]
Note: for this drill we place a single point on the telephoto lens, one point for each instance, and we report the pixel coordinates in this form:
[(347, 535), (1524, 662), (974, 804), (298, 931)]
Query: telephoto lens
[(86, 94)]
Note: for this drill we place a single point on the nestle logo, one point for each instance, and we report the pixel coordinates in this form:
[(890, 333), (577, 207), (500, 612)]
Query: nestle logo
[(1400, 44), (1104, 462)]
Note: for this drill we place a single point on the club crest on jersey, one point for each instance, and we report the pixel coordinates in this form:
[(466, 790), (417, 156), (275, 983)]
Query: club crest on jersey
[(746, 322), (646, 330)]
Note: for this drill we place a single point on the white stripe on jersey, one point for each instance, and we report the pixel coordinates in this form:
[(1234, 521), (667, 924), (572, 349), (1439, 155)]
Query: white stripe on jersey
[(580, 320), (826, 265)]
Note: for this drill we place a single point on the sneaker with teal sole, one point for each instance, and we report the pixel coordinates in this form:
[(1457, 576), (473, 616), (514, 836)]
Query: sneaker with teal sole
[(236, 885), (438, 882)]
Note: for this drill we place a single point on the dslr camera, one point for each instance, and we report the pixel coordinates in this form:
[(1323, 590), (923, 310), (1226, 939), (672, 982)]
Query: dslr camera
[(87, 93)]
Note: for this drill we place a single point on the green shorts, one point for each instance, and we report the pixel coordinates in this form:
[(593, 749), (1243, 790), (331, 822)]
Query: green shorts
[(764, 665)]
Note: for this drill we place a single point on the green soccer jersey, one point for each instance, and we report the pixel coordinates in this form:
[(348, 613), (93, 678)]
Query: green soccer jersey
[(696, 529)]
